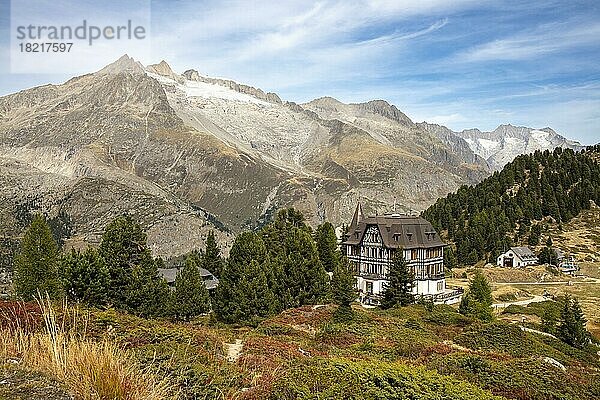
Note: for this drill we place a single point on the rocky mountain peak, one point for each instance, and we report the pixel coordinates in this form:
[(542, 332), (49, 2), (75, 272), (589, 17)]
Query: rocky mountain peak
[(503, 144), (124, 64), (386, 110), (191, 75), (162, 68), (326, 103)]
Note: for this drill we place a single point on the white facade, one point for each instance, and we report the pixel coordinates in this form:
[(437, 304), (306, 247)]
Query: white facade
[(517, 257)]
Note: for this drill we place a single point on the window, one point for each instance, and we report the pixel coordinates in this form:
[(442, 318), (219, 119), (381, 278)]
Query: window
[(369, 287), (440, 286)]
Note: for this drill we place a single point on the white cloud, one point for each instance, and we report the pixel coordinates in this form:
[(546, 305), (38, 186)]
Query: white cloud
[(447, 120), (542, 40)]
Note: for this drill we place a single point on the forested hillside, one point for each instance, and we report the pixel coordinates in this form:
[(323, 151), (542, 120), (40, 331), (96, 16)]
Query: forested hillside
[(513, 205)]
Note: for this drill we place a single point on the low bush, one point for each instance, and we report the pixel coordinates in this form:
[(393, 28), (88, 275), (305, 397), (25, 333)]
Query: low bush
[(445, 315), (337, 379)]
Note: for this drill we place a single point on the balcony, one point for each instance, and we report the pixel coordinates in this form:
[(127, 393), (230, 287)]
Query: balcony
[(368, 275), (449, 296)]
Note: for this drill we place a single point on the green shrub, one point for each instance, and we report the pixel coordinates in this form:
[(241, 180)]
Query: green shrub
[(274, 329), (446, 315), (528, 378), (337, 379)]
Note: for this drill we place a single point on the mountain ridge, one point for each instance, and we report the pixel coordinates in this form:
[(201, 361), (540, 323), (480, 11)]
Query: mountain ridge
[(203, 151)]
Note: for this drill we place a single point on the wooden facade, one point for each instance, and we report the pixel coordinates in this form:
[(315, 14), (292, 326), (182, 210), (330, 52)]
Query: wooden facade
[(370, 246)]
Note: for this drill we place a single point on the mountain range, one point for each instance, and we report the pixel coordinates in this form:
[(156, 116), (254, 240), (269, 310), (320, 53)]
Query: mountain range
[(186, 153)]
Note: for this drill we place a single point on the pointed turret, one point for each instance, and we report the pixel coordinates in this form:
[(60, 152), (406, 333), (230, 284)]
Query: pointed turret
[(358, 216)]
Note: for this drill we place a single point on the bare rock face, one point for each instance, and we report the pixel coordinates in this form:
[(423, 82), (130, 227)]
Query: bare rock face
[(187, 153), (92, 148), (164, 69), (125, 64)]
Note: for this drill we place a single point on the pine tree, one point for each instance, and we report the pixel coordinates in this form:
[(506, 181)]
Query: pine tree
[(211, 259), (147, 294), (481, 289), (550, 318), (190, 297), (571, 326), (450, 260), (304, 279), (85, 278), (297, 272), (478, 300), (327, 246), (36, 266), (343, 292), (398, 290), (134, 283), (243, 294), (548, 256), (123, 249)]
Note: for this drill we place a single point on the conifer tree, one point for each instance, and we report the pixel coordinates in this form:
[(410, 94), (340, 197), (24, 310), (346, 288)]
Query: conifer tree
[(478, 300), (304, 277), (450, 260), (243, 294), (190, 297), (398, 290), (548, 256), (550, 318), (299, 276), (211, 260), (343, 292), (85, 277), (327, 246), (123, 248), (36, 265), (147, 294), (571, 325), (134, 282)]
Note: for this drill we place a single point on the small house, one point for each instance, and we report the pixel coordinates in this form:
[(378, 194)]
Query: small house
[(517, 257), (169, 274)]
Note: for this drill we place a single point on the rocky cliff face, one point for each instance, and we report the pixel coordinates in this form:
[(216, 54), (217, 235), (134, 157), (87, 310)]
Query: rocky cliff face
[(188, 153), (89, 148)]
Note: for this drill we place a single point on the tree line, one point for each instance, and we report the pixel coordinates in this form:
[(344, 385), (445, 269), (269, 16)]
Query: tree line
[(283, 265), (512, 205)]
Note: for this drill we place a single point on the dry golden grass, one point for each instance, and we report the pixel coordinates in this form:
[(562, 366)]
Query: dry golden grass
[(89, 369)]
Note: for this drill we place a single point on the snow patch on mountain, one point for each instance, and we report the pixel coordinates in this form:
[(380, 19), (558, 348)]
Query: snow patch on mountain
[(208, 90), (506, 142)]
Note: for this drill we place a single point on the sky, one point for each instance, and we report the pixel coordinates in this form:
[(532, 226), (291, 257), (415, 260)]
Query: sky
[(458, 63)]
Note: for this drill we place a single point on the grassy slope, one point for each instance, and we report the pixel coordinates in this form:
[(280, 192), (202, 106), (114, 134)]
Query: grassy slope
[(399, 353)]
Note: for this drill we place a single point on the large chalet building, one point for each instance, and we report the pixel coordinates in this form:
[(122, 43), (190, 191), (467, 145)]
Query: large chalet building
[(371, 243)]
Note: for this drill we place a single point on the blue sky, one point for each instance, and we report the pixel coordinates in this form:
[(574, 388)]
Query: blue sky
[(459, 63)]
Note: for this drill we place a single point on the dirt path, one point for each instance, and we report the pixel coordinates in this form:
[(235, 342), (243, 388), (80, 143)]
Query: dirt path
[(587, 281), (535, 299)]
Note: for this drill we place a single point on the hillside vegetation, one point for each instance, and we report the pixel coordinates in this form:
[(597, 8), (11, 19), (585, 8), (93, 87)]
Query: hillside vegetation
[(408, 352), (513, 205)]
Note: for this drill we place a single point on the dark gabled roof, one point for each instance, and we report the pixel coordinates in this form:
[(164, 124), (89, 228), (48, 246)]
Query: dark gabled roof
[(524, 253), (397, 230), (169, 274)]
